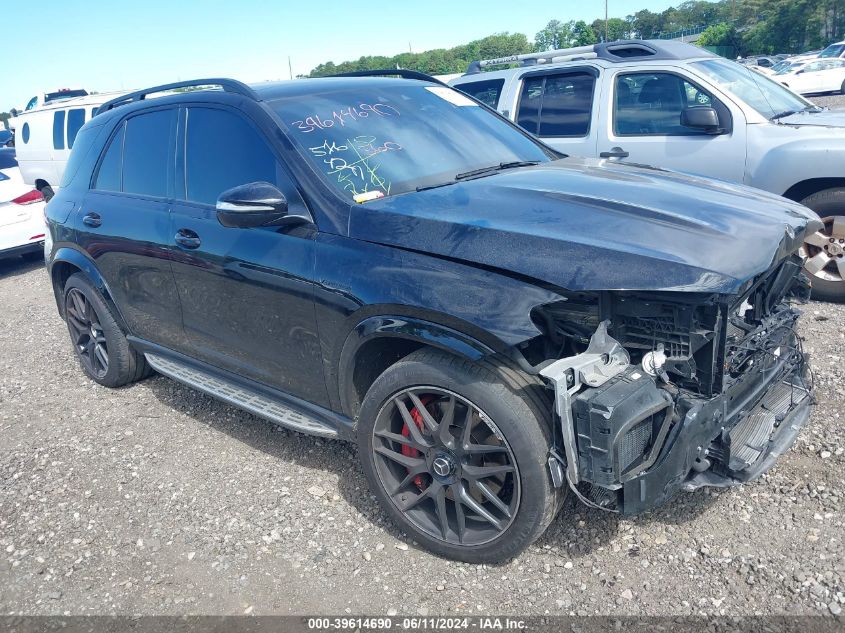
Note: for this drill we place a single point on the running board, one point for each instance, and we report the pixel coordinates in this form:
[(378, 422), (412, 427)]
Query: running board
[(241, 397)]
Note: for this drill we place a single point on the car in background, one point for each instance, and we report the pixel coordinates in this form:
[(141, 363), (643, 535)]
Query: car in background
[(44, 136), (6, 138), (815, 77), (680, 107), (760, 64), (21, 211), (835, 50)]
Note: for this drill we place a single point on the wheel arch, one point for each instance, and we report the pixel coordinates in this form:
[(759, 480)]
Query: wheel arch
[(810, 186), (378, 342), (67, 262)]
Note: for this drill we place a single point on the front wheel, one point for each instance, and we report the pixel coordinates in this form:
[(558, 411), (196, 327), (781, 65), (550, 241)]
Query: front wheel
[(825, 249), (456, 452)]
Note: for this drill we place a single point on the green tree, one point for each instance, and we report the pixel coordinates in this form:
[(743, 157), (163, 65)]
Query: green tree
[(555, 35), (646, 25), (617, 29), (721, 34), (583, 34)]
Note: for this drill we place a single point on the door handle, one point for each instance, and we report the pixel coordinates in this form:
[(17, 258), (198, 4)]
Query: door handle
[(92, 219), (615, 152), (187, 238)]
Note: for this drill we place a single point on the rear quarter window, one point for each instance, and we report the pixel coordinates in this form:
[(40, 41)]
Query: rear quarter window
[(82, 148)]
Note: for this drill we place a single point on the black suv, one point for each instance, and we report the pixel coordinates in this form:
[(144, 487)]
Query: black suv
[(385, 260)]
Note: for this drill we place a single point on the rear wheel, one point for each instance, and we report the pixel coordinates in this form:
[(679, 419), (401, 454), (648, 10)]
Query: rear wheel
[(98, 342), (825, 249), (456, 453)]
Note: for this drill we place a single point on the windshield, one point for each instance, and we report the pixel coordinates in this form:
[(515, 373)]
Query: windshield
[(379, 141), (768, 97), (834, 50)]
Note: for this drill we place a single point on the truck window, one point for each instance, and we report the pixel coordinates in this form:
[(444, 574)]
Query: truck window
[(75, 120), (59, 129), (487, 92), (650, 104), (557, 105)]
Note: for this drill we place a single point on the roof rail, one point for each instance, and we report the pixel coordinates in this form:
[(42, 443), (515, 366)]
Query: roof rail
[(228, 85), (530, 59), (618, 51), (405, 73)]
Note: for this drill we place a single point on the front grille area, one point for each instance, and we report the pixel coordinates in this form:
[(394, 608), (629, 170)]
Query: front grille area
[(635, 442), (749, 439)]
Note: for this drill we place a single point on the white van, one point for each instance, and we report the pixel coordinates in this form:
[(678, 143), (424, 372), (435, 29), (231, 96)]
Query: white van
[(44, 137)]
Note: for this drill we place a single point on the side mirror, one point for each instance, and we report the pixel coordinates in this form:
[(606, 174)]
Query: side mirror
[(252, 205), (704, 118)]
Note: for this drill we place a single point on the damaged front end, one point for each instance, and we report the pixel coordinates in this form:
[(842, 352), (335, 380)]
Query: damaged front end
[(675, 391)]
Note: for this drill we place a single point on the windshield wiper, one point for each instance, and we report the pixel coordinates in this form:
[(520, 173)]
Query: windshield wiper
[(494, 168), (483, 171), (786, 113)]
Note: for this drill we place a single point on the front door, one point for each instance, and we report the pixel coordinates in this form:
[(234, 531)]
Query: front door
[(124, 225), (642, 122), (247, 294)]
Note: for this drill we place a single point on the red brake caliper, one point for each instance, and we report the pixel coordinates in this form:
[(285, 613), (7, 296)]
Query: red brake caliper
[(410, 451)]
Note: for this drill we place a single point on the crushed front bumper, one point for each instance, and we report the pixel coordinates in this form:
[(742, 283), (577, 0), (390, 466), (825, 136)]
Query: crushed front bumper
[(631, 443)]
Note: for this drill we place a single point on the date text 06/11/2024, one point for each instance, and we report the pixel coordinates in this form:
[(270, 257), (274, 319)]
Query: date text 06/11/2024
[(416, 624)]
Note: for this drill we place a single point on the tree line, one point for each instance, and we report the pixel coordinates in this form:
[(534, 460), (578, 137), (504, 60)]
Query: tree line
[(746, 26)]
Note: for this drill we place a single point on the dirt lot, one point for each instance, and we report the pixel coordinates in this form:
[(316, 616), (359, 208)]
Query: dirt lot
[(155, 499)]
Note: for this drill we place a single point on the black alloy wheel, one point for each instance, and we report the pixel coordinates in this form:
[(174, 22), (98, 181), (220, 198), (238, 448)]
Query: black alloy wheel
[(87, 334), (445, 466)]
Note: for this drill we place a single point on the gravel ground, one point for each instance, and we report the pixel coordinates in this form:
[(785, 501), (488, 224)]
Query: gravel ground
[(834, 102), (155, 499)]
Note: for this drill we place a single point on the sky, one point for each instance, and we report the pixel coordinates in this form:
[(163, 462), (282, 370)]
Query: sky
[(123, 44)]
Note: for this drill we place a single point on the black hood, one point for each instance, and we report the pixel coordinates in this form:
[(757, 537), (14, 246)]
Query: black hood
[(596, 225)]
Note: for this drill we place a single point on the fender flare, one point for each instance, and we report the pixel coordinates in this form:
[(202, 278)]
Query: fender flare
[(80, 260), (408, 329)]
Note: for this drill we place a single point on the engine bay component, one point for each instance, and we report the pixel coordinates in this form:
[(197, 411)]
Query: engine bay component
[(621, 427), (603, 359)]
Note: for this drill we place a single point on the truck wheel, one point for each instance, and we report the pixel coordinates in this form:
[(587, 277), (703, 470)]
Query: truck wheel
[(47, 192), (456, 452), (99, 343), (825, 249)]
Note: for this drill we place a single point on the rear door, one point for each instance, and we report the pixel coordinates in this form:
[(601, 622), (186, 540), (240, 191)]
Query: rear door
[(560, 106), (247, 294), (124, 224), (642, 124)]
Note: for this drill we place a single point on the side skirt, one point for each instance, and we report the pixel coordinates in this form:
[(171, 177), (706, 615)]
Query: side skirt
[(271, 404)]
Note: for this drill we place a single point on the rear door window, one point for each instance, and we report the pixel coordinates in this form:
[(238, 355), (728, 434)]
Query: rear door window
[(148, 153), (557, 105), (487, 92)]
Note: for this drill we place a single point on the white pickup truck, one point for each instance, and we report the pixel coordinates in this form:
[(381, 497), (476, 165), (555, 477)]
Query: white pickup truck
[(679, 107)]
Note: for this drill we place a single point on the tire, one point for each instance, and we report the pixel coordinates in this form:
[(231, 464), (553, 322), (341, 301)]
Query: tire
[(829, 283), (842, 89), (513, 416), (95, 334), (47, 192)]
